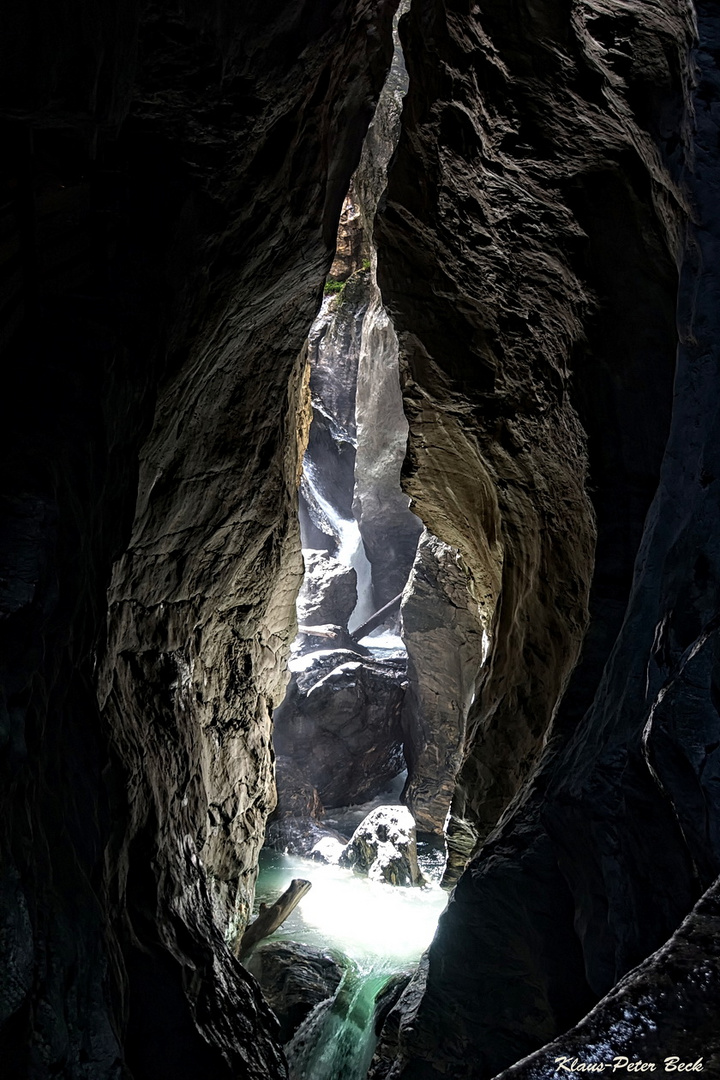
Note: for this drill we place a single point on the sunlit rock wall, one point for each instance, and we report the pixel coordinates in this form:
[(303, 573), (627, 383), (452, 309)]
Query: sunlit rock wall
[(175, 179), (389, 530), (553, 174)]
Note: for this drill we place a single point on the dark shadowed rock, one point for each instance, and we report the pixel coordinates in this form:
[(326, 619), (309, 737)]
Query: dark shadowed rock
[(601, 140), (388, 997), (384, 847), (666, 1008), (340, 724), (175, 178), (294, 979), (295, 826)]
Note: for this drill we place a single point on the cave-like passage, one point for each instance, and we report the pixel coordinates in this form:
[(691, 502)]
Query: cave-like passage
[(339, 736), (359, 756)]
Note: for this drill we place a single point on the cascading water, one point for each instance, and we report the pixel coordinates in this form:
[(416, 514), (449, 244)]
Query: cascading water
[(379, 929), (350, 548), (341, 727)]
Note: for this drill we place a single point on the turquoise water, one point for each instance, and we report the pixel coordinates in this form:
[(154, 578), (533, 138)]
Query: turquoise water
[(379, 929)]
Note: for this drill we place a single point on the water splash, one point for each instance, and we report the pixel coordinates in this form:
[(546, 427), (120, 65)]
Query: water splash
[(380, 929)]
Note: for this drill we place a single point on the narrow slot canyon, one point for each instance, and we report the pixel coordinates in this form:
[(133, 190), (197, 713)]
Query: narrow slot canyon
[(358, 537)]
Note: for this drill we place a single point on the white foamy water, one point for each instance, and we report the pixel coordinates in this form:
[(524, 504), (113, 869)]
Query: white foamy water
[(365, 920)]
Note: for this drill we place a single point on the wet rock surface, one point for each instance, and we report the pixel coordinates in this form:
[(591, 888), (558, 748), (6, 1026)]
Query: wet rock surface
[(173, 182), (606, 848), (665, 1008), (388, 998), (388, 528), (384, 847), (340, 724), (294, 979)]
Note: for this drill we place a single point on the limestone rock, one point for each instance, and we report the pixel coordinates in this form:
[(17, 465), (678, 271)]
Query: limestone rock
[(383, 846), (294, 979), (389, 996), (329, 465), (295, 826), (536, 190), (446, 641), (328, 849), (340, 724), (177, 175), (389, 530), (351, 246), (329, 590)]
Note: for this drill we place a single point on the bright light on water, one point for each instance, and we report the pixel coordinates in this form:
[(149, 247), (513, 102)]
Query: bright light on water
[(365, 920), (381, 929), (385, 641)]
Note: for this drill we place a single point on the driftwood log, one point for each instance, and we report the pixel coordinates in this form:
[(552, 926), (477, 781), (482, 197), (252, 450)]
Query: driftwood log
[(379, 617), (269, 918)]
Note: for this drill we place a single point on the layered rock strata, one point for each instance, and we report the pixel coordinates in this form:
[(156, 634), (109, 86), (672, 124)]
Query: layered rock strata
[(577, 150), (175, 179)]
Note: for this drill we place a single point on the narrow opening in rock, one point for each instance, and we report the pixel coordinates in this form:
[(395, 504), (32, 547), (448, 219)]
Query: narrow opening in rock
[(369, 737)]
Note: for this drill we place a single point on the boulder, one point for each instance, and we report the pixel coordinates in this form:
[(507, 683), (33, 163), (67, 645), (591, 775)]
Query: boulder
[(329, 590), (294, 979), (340, 725), (383, 846), (328, 849)]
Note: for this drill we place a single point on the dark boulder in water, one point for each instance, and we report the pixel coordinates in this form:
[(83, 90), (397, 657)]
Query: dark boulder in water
[(294, 978)]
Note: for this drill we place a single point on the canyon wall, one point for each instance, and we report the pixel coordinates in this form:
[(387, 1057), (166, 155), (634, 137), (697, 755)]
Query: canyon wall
[(174, 179), (553, 194)]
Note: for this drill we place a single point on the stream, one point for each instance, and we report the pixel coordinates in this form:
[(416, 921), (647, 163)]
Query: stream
[(379, 930)]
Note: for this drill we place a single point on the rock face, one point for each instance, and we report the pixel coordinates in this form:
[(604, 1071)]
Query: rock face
[(444, 636), (294, 978), (548, 247), (667, 1007), (541, 187), (329, 464), (383, 846), (175, 178), (329, 590), (389, 530), (340, 725)]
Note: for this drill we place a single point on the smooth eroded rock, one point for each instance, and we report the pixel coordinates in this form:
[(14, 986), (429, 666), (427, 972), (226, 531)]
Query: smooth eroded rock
[(329, 590), (294, 979)]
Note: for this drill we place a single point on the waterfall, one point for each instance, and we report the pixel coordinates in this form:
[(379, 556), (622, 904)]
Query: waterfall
[(380, 930), (337, 1040)]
